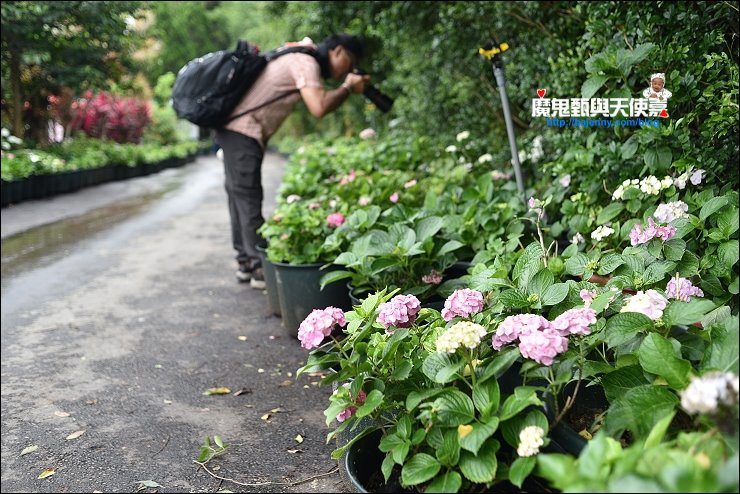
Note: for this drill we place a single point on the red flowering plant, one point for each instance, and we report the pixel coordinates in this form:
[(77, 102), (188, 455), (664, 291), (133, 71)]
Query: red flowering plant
[(107, 116)]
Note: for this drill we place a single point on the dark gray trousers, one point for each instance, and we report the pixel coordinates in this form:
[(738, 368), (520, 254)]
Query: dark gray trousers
[(243, 166)]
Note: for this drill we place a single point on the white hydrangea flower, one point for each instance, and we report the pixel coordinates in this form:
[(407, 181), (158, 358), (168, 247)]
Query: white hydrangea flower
[(537, 151), (650, 185), (451, 148), (368, 133), (577, 239), (697, 177), (530, 440), (462, 136), (666, 182), (619, 193), (601, 232), (651, 303), (680, 182), (706, 393), (465, 333), (665, 213), (486, 158)]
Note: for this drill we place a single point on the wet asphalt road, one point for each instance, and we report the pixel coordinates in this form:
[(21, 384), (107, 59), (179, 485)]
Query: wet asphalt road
[(119, 310)]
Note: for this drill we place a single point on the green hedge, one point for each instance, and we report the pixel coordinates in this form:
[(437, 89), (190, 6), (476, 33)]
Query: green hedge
[(84, 154)]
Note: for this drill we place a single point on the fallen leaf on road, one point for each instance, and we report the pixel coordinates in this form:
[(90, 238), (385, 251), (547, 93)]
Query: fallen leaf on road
[(299, 439), (146, 484), (29, 449), (265, 416), (167, 402), (260, 370), (287, 382), (242, 338), (74, 435), (276, 410), (293, 451), (47, 473), (242, 391), (217, 391), (157, 366), (61, 414)]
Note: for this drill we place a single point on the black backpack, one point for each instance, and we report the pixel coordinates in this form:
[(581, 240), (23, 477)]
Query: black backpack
[(208, 88)]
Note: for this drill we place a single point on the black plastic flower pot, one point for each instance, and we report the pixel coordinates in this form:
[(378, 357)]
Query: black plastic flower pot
[(457, 270), (273, 297), (589, 403), (362, 461), (299, 290)]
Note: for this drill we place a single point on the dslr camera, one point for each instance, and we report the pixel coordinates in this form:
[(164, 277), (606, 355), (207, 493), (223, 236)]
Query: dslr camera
[(380, 100)]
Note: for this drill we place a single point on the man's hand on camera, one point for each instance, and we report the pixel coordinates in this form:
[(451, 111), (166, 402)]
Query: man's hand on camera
[(356, 83)]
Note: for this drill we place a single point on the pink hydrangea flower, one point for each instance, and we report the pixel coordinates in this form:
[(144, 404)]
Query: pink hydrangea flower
[(292, 198), (433, 278), (394, 197), (349, 411), (639, 236), (335, 219), (587, 296), (314, 205), (409, 184), (318, 325), (513, 327), (363, 201), (565, 181), (542, 346), (574, 321), (349, 178), (682, 289), (399, 312), (462, 303)]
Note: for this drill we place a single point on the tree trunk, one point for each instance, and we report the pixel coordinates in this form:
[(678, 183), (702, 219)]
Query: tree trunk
[(15, 85)]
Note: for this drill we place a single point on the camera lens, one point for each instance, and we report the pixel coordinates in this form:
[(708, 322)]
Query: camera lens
[(380, 100)]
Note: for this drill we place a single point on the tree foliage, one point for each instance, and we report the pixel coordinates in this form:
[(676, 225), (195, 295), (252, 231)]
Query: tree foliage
[(50, 45)]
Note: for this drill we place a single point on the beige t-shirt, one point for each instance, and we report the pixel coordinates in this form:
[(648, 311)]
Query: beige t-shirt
[(284, 74)]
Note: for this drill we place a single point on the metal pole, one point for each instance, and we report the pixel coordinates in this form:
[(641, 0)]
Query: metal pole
[(498, 73)]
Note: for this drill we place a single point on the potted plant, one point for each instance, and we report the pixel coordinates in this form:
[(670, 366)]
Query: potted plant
[(295, 235), (451, 412)]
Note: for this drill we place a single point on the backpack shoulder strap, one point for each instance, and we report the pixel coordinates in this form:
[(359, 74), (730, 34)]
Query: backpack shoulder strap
[(272, 55)]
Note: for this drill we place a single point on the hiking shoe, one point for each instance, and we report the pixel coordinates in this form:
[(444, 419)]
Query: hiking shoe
[(258, 279), (243, 274)]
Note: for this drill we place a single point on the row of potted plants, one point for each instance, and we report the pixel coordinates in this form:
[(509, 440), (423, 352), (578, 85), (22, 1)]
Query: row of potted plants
[(617, 300), (34, 174)]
